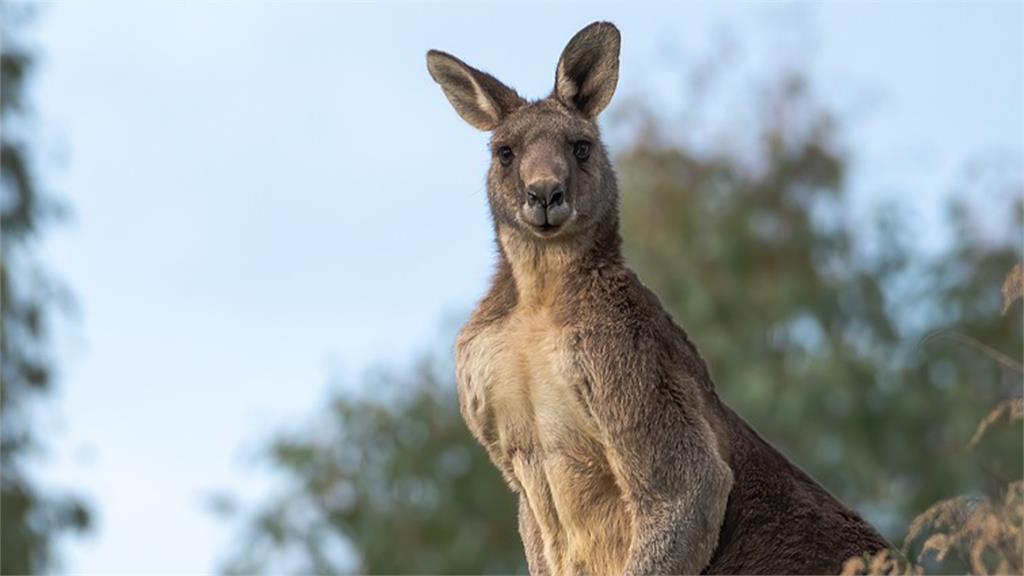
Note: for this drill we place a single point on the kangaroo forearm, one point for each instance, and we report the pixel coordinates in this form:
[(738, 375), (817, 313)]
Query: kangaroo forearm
[(672, 544), (669, 546), (533, 543), (680, 536)]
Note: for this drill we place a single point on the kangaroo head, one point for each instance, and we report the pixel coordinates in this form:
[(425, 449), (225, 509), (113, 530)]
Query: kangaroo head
[(550, 177)]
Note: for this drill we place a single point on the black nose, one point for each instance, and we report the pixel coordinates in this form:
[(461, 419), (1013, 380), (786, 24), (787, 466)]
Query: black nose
[(549, 193)]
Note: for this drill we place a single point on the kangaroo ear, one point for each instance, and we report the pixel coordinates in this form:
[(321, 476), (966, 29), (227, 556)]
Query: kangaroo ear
[(478, 97), (589, 69)]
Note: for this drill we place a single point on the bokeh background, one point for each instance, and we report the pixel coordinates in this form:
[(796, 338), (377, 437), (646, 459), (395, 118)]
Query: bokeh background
[(238, 239)]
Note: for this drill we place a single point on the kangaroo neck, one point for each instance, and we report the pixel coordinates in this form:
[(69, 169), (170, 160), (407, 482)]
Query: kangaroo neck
[(540, 269)]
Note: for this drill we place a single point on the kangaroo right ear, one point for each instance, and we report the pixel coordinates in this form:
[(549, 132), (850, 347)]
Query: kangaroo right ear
[(478, 97), (589, 69)]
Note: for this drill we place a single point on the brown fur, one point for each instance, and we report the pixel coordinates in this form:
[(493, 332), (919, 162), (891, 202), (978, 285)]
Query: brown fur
[(594, 405)]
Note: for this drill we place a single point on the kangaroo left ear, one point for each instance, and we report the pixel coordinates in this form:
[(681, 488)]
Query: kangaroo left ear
[(589, 69)]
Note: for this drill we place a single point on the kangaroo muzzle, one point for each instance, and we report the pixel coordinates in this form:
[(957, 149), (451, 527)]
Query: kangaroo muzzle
[(546, 206)]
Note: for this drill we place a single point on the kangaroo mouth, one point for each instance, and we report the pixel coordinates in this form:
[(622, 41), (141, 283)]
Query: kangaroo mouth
[(548, 230), (545, 230)]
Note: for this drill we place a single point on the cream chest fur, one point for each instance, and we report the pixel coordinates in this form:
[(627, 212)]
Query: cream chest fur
[(525, 399)]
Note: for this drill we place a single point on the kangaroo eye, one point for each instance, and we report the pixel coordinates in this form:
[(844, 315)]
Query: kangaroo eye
[(505, 155), (581, 150)]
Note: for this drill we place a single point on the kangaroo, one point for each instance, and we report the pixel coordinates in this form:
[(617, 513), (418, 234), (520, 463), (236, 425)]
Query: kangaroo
[(595, 406)]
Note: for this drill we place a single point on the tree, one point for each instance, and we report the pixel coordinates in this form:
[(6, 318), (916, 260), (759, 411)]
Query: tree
[(387, 484), (810, 335), (815, 330), (31, 519)]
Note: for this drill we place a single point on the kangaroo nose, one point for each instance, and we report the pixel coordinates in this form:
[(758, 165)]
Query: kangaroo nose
[(549, 193)]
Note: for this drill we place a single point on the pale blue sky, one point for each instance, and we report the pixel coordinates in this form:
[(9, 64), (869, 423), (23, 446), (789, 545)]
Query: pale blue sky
[(270, 195)]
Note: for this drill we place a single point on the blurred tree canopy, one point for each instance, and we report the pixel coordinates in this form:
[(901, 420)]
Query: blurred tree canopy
[(386, 484), (834, 349), (31, 518), (842, 344)]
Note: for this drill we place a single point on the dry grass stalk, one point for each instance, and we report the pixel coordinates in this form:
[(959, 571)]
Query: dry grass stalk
[(885, 563), (1014, 407), (987, 534), (1013, 287)]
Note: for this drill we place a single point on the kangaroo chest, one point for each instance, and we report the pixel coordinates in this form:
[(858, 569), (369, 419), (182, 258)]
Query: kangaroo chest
[(524, 395)]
